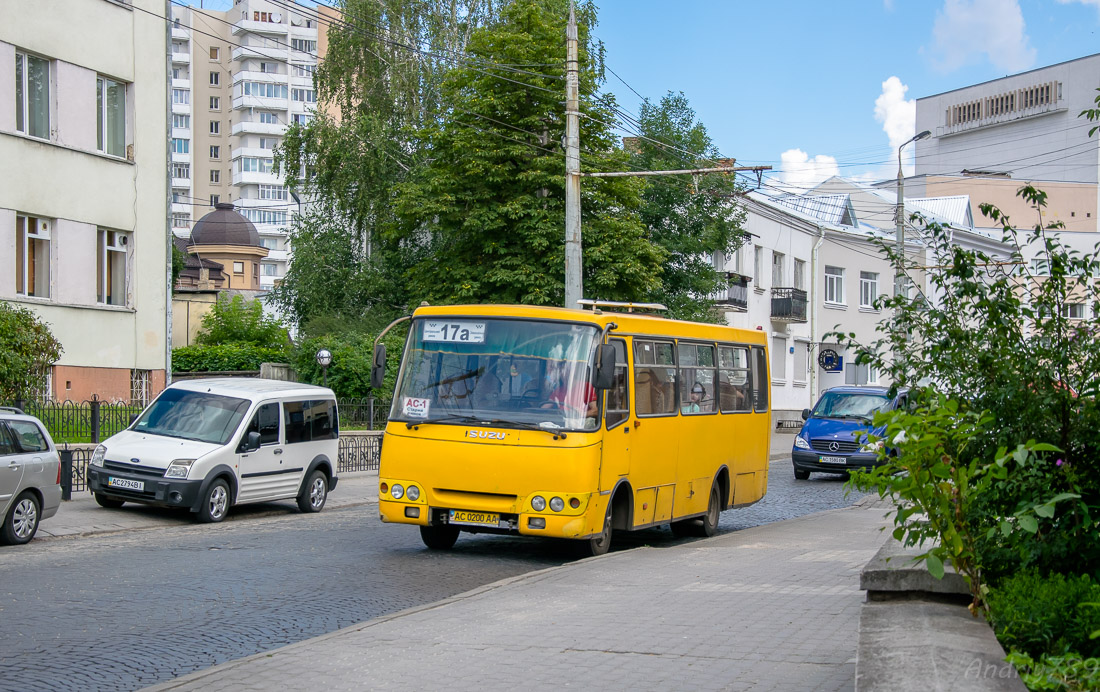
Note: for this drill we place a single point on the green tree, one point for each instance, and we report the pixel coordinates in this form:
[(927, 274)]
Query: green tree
[(235, 320), (692, 218), (179, 261), (490, 202), (27, 349)]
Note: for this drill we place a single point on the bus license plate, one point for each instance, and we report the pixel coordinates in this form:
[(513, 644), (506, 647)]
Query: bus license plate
[(460, 516), (833, 460), (125, 483)]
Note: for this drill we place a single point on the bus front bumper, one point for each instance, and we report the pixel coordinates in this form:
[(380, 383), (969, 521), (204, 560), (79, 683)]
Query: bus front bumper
[(525, 524)]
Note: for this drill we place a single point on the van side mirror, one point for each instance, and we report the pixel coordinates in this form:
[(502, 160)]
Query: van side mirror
[(251, 442), (378, 367), (805, 414), (605, 367)]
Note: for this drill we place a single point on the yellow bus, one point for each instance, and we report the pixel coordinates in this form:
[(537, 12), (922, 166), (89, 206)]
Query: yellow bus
[(571, 423)]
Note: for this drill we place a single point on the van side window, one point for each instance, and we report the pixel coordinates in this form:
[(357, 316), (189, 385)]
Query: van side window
[(323, 416), (266, 422), (760, 379), (618, 397), (733, 379), (654, 378), (306, 421)]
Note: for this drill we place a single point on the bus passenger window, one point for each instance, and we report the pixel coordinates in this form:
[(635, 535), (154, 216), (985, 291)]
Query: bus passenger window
[(618, 397), (733, 379), (655, 387), (697, 391), (760, 379)]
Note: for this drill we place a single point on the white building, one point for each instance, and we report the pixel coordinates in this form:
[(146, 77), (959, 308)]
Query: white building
[(239, 79), (83, 192)]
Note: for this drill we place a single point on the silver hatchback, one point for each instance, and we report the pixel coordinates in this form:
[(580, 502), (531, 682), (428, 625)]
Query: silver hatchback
[(30, 476)]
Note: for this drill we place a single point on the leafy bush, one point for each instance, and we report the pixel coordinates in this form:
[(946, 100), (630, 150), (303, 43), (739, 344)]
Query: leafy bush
[(1039, 615), (1057, 673), (224, 357), (27, 348), (352, 355), (236, 320)]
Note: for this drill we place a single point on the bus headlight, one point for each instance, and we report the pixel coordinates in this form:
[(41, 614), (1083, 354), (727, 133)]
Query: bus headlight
[(557, 504), (538, 503), (413, 493), (397, 491)]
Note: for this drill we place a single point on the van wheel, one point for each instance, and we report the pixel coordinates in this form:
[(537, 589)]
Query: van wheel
[(801, 474), (215, 504), (439, 537), (108, 502), (22, 520), (314, 492), (601, 543)]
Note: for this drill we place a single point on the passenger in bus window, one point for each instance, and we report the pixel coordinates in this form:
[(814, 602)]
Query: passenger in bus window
[(518, 383), (694, 403), (575, 399)]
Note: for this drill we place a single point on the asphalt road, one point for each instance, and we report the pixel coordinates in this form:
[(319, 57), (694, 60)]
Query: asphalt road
[(123, 611)]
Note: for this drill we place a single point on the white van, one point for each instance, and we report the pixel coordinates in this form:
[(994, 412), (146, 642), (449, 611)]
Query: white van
[(209, 444)]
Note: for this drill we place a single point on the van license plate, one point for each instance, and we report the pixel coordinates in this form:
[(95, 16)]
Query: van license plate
[(125, 483), (461, 516), (833, 460)]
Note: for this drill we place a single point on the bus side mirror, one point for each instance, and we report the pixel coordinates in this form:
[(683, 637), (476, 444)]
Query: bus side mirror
[(605, 367), (378, 367), (805, 414)]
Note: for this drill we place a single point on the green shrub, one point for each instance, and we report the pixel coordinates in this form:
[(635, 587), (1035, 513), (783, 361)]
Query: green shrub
[(349, 373), (236, 320), (199, 358), (1056, 673), (1039, 615)]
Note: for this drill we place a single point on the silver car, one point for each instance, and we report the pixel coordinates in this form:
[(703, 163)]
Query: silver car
[(30, 476)]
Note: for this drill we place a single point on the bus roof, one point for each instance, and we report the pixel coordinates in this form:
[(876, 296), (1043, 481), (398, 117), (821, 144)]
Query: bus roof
[(627, 322)]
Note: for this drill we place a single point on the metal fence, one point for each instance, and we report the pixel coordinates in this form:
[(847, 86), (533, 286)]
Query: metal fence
[(78, 422), (364, 413), (357, 453)]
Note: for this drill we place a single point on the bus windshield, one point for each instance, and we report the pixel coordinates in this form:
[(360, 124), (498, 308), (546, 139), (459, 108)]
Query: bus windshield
[(502, 372)]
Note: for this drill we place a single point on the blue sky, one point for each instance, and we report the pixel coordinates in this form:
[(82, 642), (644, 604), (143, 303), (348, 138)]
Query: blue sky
[(804, 76)]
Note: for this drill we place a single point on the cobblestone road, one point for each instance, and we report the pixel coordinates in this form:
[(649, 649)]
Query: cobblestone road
[(126, 610)]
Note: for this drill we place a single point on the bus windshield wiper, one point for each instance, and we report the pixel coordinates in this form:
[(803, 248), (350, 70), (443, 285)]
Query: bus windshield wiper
[(440, 419), (527, 426)]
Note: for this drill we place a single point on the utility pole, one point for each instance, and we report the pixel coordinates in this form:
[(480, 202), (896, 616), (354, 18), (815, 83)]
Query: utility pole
[(573, 286), (899, 229)]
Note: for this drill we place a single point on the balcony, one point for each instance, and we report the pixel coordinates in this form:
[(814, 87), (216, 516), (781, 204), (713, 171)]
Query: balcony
[(181, 58), (261, 102), (248, 26), (181, 183), (736, 296), (181, 33), (257, 128), (260, 52), (788, 305)]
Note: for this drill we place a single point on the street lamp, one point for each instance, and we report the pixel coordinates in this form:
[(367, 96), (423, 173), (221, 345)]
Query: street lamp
[(899, 236), (324, 359)]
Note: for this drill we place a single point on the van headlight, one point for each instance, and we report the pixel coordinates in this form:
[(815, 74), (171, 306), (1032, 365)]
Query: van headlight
[(97, 456), (801, 443), (179, 468)]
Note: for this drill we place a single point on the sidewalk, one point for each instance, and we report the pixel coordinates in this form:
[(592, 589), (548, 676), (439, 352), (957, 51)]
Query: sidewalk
[(81, 516), (769, 608)]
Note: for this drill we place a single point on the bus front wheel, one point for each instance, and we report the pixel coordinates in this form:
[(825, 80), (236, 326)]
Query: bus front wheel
[(600, 543), (439, 537)]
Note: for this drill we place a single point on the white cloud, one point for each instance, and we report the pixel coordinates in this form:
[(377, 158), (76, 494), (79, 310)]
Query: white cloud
[(898, 117), (965, 29), (1094, 3), (798, 172)]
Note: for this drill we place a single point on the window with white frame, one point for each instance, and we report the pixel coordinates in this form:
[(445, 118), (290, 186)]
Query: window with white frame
[(238, 267), (267, 68), (181, 122), (268, 118), (779, 357), (269, 268), (778, 273), (265, 90), (32, 256), (181, 145), (181, 97), (215, 127), (140, 387), (303, 95), (301, 118), (214, 199), (1040, 266), (834, 285), (304, 70), (251, 164), (215, 176), (302, 45), (273, 192), (111, 267), (215, 103), (215, 152), (800, 274), (181, 219), (110, 116), (801, 361), (1073, 311), (32, 95), (215, 78), (270, 243), (268, 142), (215, 53), (868, 289), (267, 216), (758, 265), (181, 171)]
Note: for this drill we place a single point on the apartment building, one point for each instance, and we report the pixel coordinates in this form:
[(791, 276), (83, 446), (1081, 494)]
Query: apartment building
[(239, 79), (83, 211), (988, 139)]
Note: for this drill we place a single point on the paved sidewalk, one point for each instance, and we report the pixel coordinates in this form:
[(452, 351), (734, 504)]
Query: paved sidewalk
[(81, 516), (769, 608)]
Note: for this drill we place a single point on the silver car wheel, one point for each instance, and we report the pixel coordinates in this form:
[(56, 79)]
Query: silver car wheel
[(24, 518), (317, 493), (219, 501)]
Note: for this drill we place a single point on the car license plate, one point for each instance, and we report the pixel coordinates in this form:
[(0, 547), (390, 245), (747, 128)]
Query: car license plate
[(461, 516), (833, 460), (125, 483)]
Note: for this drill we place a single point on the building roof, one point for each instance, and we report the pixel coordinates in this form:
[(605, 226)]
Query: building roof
[(224, 226), (835, 209)]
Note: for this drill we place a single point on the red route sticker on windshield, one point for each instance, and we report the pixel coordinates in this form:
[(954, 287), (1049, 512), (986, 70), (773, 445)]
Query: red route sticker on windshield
[(413, 407)]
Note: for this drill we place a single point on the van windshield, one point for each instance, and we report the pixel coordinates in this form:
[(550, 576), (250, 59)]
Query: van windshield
[(499, 372), (857, 405), (199, 416)]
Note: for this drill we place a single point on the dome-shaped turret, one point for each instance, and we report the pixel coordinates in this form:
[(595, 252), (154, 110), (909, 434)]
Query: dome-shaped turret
[(224, 226)]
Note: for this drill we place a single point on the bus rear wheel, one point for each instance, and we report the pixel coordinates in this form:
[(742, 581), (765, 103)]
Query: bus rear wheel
[(439, 537), (703, 527)]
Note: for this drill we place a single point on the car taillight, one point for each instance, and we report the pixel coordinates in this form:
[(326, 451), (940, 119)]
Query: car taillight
[(59, 473)]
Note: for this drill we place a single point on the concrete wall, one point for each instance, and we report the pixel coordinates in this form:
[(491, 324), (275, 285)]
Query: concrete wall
[(188, 309)]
